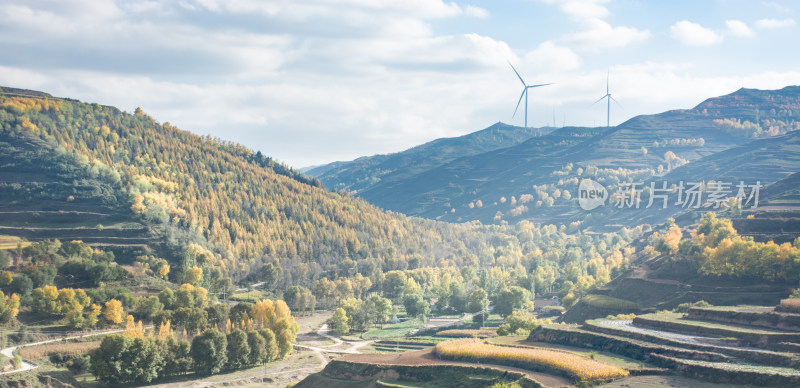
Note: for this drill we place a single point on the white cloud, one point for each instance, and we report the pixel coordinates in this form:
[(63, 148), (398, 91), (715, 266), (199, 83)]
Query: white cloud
[(582, 9), (311, 81), (595, 33), (777, 7), (766, 24), (550, 57), (739, 28), (693, 34), (477, 12), (598, 35)]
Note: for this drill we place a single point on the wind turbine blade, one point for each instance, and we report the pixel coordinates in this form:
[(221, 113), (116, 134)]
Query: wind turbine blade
[(518, 102), (613, 99), (601, 99), (536, 86), (608, 74), (517, 73)]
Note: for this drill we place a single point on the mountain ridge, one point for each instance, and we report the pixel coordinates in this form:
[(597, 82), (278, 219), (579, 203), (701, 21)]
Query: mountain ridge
[(628, 151)]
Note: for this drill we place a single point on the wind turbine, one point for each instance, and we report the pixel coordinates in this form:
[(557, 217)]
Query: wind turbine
[(524, 94), (608, 100)]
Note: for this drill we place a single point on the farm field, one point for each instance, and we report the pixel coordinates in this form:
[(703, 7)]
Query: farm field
[(665, 381), (426, 357), (68, 348), (601, 356), (561, 362), (12, 242)]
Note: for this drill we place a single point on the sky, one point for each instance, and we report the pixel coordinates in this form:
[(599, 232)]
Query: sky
[(315, 81)]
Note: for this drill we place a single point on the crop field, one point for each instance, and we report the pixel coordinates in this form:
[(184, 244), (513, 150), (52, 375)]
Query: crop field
[(745, 367), (677, 318), (571, 364), (11, 242), (601, 356), (69, 348), (466, 333), (791, 305)]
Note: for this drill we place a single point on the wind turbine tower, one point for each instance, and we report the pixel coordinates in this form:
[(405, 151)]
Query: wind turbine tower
[(608, 102), (525, 88)]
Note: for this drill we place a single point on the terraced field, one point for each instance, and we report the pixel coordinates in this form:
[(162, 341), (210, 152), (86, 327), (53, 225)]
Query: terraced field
[(56, 200), (719, 348)]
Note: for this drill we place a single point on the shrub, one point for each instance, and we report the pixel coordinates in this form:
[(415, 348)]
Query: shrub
[(520, 323), (621, 316), (684, 307)]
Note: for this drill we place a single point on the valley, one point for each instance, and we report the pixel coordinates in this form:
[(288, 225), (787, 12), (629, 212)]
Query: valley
[(164, 245)]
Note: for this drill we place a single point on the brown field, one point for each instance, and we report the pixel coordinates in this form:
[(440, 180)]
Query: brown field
[(580, 367), (480, 333), (46, 350), (791, 304), (426, 357)]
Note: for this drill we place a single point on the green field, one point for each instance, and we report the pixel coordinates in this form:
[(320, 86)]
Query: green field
[(394, 330)]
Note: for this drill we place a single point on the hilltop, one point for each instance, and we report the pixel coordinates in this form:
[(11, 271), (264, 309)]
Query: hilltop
[(366, 172), (529, 180)]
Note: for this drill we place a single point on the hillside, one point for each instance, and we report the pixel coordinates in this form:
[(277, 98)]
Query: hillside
[(528, 180), (364, 173), (771, 161), (73, 170), (126, 183)]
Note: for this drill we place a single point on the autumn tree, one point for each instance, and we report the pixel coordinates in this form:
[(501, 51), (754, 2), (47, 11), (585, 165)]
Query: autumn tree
[(113, 313), (9, 307)]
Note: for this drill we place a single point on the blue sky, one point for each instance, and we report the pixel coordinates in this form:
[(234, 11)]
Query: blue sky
[(314, 81)]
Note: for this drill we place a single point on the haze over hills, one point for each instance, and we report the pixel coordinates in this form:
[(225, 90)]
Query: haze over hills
[(366, 172), (528, 180)]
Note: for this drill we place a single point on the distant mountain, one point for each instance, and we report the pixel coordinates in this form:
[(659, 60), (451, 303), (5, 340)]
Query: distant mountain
[(772, 162), (528, 180), (365, 172)]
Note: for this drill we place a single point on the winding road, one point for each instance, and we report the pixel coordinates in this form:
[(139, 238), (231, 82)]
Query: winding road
[(323, 331), (9, 352)]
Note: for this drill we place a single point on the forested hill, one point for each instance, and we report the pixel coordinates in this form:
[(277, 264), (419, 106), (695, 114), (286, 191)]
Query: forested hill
[(537, 179), (75, 170)]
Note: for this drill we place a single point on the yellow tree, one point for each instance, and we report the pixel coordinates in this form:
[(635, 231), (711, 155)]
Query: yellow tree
[(193, 275), (263, 312), (165, 330), (163, 271), (93, 315), (113, 312), (9, 307)]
